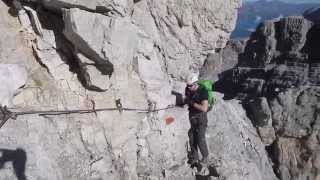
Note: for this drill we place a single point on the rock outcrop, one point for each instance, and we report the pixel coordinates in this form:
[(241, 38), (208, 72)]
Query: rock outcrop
[(235, 144), (313, 15), (108, 54), (222, 60), (277, 79)]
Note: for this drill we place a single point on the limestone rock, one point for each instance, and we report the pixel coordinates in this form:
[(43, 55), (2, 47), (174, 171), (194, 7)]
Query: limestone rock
[(183, 30), (90, 60), (34, 21), (85, 30), (294, 34), (231, 133), (116, 7), (275, 78), (12, 77), (132, 50), (260, 111), (92, 77), (116, 43), (12, 46), (293, 153), (264, 69), (273, 39), (222, 60), (267, 134), (297, 111)]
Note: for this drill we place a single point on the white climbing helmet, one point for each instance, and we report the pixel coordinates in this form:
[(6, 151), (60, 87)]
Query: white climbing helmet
[(192, 78)]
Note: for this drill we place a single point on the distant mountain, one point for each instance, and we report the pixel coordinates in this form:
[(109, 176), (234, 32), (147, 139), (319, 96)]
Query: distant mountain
[(252, 13), (290, 1), (313, 15)]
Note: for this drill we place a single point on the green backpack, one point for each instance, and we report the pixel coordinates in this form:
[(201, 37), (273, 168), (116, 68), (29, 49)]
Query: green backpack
[(208, 86)]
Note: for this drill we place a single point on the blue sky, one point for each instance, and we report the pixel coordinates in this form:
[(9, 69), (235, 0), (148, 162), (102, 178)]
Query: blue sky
[(294, 1)]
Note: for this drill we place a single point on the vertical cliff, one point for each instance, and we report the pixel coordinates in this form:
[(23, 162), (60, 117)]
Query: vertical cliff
[(96, 54), (277, 79)]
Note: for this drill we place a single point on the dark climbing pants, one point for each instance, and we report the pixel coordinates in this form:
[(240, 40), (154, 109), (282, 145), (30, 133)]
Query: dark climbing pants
[(197, 135)]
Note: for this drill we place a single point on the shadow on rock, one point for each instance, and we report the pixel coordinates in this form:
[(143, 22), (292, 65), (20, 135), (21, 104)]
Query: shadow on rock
[(212, 173), (12, 11), (225, 85), (18, 158)]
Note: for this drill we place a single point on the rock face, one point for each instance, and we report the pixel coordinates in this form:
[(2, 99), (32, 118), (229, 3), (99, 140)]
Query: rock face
[(235, 144), (12, 77), (222, 60), (107, 54), (313, 15), (296, 123), (277, 79), (186, 29)]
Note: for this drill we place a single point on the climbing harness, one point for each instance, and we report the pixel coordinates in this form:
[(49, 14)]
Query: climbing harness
[(6, 114)]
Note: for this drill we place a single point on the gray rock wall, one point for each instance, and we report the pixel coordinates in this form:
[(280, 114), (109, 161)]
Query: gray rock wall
[(91, 54), (276, 80)]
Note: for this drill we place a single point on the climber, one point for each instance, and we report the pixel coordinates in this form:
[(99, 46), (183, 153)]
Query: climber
[(197, 100)]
